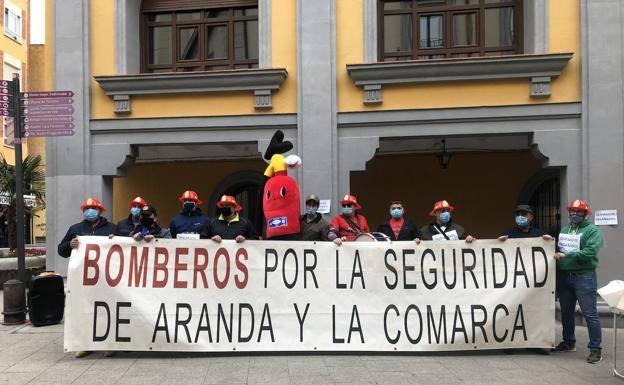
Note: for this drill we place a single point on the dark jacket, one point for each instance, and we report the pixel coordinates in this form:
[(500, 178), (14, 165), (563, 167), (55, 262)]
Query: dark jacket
[(229, 230), (516, 232), (191, 222), (430, 230), (103, 228), (125, 227), (315, 230), (154, 229), (408, 232)]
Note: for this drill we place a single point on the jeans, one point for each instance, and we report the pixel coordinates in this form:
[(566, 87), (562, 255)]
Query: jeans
[(581, 287)]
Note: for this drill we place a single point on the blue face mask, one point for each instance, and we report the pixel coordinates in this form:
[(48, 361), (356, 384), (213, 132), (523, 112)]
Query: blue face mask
[(311, 210), (396, 213), (522, 221), (348, 211), (135, 211), (188, 206), (445, 217), (91, 215)]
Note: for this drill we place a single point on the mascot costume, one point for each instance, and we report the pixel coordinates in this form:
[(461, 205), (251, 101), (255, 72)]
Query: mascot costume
[(280, 202)]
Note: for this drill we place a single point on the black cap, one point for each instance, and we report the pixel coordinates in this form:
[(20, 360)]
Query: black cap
[(313, 197), (148, 210), (526, 208)]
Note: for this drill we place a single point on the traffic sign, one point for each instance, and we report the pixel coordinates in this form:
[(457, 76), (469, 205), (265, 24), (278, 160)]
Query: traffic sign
[(48, 119), (37, 133), (49, 126), (46, 101), (48, 110), (4, 113), (48, 94)]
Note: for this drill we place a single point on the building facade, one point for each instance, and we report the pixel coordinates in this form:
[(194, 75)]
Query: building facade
[(486, 104)]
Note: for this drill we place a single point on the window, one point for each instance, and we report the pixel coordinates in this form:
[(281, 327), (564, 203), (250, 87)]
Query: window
[(13, 22), (205, 35), (435, 29)]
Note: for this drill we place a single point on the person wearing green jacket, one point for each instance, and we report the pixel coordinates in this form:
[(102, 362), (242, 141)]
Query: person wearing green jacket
[(577, 258)]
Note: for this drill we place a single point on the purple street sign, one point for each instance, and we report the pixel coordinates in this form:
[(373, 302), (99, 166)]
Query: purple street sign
[(46, 101), (48, 133), (48, 119), (4, 83), (49, 110), (49, 126), (4, 91), (4, 113), (4, 98), (48, 94)]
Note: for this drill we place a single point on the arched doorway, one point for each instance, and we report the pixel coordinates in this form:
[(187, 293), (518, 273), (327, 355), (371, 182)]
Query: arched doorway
[(247, 187), (543, 193)]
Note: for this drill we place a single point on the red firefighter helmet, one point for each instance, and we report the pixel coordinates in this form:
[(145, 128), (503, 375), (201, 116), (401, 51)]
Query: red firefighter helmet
[(440, 205), (92, 203), (352, 200), (228, 200), (138, 201), (578, 204), (190, 196)]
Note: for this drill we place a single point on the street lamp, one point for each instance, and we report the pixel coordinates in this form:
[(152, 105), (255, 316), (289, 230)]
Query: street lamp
[(444, 157)]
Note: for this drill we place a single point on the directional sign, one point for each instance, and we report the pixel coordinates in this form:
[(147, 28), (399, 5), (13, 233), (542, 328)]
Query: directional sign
[(48, 119), (4, 113), (49, 110), (49, 126), (46, 101), (48, 133), (48, 94)]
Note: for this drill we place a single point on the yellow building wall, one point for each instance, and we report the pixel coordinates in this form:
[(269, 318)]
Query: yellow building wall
[(564, 29), (421, 182), (147, 180), (284, 55)]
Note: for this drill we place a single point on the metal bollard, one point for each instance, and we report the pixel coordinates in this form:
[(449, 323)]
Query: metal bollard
[(14, 302)]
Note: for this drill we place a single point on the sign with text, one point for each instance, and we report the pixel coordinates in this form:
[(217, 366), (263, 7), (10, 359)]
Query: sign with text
[(199, 295), (48, 113), (605, 217)]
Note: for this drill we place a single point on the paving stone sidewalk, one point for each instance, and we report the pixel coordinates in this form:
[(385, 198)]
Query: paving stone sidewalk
[(30, 355)]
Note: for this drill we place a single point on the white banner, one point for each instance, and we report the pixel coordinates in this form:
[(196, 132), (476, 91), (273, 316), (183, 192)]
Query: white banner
[(197, 295)]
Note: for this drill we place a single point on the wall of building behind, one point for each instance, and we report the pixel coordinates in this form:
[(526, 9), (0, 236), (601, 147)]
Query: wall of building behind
[(483, 188)]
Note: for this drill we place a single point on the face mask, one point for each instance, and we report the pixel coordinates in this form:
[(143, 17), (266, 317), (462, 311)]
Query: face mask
[(135, 211), (91, 215), (576, 219), (348, 211), (522, 221), (396, 213), (311, 210), (225, 211), (445, 217), (147, 221), (188, 206)]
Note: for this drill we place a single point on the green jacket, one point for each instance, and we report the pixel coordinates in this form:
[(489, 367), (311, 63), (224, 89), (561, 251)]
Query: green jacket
[(585, 259)]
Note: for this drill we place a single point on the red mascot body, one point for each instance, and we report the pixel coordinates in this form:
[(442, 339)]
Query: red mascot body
[(281, 201)]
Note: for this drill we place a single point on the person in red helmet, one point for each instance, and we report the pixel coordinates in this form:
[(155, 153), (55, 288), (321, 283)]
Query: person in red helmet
[(349, 224), (442, 228), (190, 221), (229, 224), (126, 226), (92, 224), (578, 244)]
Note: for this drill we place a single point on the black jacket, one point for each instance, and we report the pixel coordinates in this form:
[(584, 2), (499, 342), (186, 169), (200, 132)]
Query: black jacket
[(103, 228), (188, 222), (125, 227), (515, 232), (220, 227), (408, 232)]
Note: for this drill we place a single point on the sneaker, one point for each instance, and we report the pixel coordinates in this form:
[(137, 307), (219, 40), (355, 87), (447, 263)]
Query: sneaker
[(81, 353), (595, 356), (565, 347), (109, 353)]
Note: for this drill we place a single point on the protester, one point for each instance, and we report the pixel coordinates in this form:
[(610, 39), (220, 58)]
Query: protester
[(92, 224), (349, 224), (229, 224), (126, 226), (577, 258), (313, 226), (397, 228), (148, 227), (524, 228), (190, 220), (524, 225), (442, 227)]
